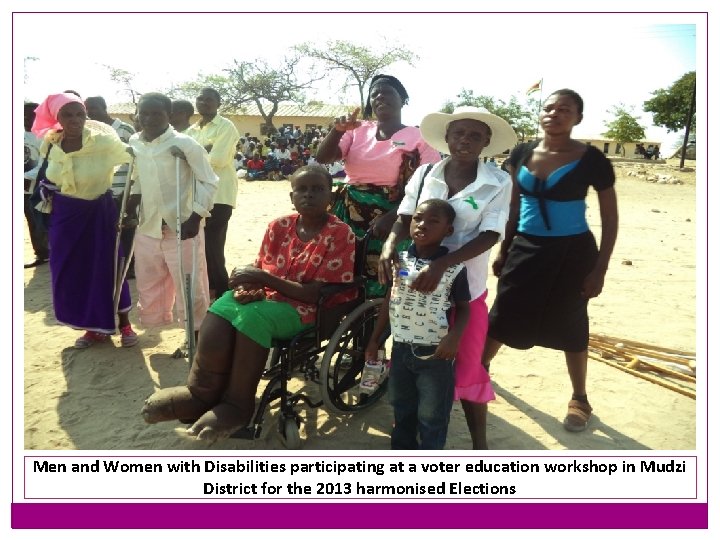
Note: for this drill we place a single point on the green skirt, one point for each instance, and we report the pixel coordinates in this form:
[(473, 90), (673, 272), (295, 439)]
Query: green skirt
[(262, 321)]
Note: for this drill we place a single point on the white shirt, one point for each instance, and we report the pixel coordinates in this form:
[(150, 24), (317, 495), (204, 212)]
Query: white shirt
[(155, 178), (337, 166), (282, 154), (417, 317), (482, 206)]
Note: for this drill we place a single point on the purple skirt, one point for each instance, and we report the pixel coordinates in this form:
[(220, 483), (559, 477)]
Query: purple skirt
[(82, 236)]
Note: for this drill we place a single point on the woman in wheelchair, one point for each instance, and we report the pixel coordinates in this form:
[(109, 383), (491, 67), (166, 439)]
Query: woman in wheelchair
[(273, 299)]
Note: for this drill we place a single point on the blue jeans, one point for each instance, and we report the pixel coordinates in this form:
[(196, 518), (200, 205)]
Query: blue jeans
[(421, 393)]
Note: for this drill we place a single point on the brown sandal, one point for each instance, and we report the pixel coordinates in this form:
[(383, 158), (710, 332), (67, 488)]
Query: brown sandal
[(577, 416)]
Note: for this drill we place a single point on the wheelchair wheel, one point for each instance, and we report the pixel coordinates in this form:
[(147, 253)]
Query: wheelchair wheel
[(290, 432), (343, 362)]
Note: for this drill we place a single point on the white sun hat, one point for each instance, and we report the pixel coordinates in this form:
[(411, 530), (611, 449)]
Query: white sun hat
[(434, 127)]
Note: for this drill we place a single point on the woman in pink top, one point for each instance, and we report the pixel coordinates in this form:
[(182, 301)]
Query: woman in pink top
[(380, 156)]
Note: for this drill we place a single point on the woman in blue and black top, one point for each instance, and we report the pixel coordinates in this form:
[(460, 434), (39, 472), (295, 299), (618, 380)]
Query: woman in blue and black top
[(549, 263)]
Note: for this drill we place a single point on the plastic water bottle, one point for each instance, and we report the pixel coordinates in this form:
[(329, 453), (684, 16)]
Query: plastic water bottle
[(385, 366), (373, 374), (408, 275)]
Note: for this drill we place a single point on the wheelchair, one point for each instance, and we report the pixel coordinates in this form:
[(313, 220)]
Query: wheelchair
[(330, 354)]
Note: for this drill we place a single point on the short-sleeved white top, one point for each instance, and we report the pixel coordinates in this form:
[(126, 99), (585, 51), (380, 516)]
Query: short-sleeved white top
[(482, 206)]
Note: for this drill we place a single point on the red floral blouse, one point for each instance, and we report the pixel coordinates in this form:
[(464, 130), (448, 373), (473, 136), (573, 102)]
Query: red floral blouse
[(329, 257)]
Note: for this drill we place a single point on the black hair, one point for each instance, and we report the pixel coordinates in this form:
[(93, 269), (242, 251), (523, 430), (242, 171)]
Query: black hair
[(385, 79), (98, 99), (183, 105), (165, 101), (212, 91), (572, 94), (442, 205), (314, 169), (30, 105)]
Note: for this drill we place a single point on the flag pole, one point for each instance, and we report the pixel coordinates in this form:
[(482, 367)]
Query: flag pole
[(537, 116)]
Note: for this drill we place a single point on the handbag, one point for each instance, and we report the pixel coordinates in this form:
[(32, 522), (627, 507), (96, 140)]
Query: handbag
[(410, 162), (41, 198)]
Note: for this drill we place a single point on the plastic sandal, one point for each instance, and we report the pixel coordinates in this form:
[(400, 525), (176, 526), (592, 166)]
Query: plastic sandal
[(128, 338), (578, 416), (89, 338)]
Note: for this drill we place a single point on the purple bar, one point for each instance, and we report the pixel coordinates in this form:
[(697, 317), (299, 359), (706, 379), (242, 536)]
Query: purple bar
[(324, 516)]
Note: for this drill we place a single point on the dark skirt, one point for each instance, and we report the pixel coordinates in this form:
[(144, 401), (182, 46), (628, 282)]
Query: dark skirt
[(538, 299), (82, 237)]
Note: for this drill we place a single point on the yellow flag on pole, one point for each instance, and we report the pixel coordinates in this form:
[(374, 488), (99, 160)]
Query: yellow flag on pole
[(534, 88)]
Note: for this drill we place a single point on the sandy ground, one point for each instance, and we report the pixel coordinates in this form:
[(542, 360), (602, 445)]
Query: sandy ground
[(91, 399)]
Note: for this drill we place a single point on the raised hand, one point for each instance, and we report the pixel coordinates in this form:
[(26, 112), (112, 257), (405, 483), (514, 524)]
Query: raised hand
[(347, 123)]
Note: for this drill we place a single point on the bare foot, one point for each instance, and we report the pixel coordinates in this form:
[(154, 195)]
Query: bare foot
[(219, 422), (176, 403)]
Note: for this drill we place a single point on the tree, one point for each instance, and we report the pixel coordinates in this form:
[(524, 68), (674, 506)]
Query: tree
[(624, 128), (522, 118), (124, 78), (359, 63), (669, 106), (254, 82), (25, 66), (674, 108)]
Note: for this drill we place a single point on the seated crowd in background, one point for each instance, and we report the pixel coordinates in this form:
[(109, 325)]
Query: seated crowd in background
[(278, 156), (651, 152)]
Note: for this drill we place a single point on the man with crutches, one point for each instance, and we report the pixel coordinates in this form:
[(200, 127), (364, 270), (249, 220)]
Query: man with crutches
[(174, 188)]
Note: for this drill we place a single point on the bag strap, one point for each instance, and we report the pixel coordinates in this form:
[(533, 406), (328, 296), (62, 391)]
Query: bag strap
[(44, 163), (422, 182), (41, 179)]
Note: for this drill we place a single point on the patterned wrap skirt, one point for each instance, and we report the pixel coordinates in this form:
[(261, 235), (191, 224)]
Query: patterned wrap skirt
[(357, 205)]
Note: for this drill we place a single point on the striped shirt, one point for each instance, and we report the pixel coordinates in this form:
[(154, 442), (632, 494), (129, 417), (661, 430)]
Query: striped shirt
[(124, 131)]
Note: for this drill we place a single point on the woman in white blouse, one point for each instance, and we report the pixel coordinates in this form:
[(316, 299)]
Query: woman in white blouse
[(480, 195)]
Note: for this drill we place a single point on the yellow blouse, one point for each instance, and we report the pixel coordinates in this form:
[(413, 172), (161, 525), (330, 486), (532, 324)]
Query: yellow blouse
[(86, 173)]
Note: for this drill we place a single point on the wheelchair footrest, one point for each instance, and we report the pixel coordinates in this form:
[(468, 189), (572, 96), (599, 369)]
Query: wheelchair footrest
[(249, 433)]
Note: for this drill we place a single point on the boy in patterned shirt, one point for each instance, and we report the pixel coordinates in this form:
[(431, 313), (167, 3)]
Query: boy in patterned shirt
[(422, 376)]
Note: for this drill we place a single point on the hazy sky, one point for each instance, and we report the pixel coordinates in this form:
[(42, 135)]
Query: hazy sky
[(608, 58)]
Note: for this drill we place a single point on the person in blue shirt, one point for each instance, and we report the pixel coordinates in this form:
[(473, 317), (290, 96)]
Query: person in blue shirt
[(549, 264)]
